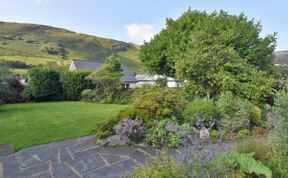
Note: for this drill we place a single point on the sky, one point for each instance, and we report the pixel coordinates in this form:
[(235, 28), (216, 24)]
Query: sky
[(135, 20)]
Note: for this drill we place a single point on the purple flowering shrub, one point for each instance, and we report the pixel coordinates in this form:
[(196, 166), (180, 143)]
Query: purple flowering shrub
[(129, 129)]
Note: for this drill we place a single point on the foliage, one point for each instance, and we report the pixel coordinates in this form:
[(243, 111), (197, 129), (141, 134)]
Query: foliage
[(162, 82), (74, 83), (261, 148), (278, 165), (235, 164), (4, 87), (203, 108), (256, 116), (234, 113), (28, 124), (107, 79), (94, 95), (159, 166), (133, 113), (280, 133), (107, 127), (15, 64), (10, 87), (157, 136), (129, 129), (159, 102), (43, 84), (214, 53)]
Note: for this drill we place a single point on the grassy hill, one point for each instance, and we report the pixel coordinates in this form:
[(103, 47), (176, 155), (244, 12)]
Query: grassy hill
[(38, 44)]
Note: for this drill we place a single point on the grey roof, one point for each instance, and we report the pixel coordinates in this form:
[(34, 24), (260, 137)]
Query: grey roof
[(93, 65)]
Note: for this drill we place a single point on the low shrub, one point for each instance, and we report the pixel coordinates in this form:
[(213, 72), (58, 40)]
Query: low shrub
[(74, 82), (157, 136), (261, 148), (238, 165), (91, 95), (105, 127), (234, 112), (133, 113), (97, 95), (280, 132), (159, 102), (203, 108), (131, 130), (160, 166)]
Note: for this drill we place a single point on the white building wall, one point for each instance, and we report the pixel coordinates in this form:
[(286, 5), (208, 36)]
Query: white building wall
[(72, 66)]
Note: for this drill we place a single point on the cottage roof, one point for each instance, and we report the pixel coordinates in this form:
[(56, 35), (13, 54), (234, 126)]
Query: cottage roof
[(93, 65)]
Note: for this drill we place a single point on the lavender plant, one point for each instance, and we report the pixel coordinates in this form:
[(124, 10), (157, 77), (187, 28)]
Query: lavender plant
[(129, 129)]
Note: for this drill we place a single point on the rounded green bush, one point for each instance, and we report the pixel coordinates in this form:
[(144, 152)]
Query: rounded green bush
[(204, 108), (234, 112)]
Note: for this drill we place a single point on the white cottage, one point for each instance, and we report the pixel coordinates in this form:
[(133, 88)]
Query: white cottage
[(127, 78)]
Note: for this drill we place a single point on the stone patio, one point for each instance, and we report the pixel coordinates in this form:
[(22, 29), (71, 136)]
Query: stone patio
[(81, 157)]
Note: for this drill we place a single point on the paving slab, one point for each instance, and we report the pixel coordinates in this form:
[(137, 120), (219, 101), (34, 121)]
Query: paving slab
[(82, 158), (6, 149)]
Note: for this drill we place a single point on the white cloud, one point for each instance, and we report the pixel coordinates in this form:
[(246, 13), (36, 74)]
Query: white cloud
[(140, 32)]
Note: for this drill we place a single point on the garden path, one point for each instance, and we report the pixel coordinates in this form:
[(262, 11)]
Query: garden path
[(82, 158)]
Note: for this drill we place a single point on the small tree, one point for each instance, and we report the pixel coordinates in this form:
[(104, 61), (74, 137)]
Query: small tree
[(74, 82), (43, 84), (107, 79)]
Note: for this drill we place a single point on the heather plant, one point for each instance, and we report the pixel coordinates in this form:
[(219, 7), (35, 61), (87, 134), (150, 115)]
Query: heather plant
[(129, 129)]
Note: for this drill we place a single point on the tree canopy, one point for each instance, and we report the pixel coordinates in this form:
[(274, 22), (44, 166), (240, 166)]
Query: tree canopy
[(107, 79), (213, 53)]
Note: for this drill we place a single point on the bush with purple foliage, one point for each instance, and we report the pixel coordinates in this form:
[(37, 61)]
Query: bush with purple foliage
[(129, 129)]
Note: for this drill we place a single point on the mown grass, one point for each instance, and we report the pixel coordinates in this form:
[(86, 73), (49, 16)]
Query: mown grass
[(29, 124)]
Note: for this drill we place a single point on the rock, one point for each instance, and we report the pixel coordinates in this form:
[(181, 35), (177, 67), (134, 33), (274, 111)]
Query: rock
[(113, 140), (171, 127), (102, 142), (204, 134)]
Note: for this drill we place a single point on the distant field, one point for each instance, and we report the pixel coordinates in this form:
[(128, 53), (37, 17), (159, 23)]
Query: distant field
[(25, 125)]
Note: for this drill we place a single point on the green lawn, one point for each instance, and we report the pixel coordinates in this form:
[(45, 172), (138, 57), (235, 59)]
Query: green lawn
[(24, 125)]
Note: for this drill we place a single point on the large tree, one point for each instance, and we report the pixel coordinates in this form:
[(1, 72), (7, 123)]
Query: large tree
[(213, 52)]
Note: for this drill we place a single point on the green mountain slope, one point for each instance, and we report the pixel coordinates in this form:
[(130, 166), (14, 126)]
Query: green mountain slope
[(38, 44)]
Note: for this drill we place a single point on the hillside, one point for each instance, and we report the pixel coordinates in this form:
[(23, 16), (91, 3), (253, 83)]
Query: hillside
[(39, 44), (281, 57)]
